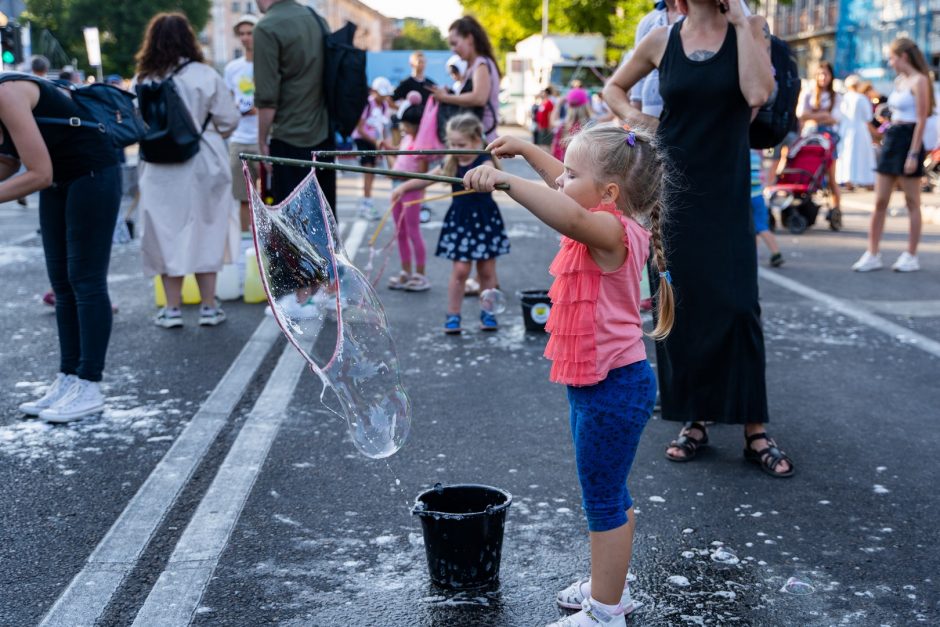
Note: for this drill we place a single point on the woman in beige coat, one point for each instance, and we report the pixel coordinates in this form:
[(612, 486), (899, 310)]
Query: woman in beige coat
[(186, 208)]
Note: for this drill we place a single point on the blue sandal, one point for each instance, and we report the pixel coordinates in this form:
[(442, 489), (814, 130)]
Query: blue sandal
[(452, 324)]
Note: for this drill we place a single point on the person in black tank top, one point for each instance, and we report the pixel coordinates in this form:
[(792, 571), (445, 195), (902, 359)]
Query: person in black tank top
[(76, 172), (714, 68)]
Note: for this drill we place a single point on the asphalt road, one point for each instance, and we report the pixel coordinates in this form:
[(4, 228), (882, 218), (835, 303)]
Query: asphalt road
[(279, 520)]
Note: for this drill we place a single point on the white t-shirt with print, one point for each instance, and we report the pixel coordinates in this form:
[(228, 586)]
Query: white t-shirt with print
[(240, 79)]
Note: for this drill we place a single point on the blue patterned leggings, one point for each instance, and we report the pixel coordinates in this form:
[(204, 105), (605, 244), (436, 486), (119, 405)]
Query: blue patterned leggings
[(607, 420)]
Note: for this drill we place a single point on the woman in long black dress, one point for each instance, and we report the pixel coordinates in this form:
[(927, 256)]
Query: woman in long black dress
[(714, 68)]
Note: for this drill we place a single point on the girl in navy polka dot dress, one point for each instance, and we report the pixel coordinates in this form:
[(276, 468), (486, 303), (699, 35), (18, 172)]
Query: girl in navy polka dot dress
[(473, 229)]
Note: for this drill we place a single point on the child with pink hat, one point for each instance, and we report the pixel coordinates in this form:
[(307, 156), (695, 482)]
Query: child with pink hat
[(578, 115)]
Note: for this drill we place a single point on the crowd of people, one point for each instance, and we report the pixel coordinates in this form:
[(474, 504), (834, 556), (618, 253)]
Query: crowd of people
[(668, 137)]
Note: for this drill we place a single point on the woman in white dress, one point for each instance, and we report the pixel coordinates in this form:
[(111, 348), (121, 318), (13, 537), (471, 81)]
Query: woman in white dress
[(187, 209), (856, 165)]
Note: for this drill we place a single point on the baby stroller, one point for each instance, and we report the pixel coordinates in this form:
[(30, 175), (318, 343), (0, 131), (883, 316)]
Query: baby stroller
[(932, 168), (794, 195)]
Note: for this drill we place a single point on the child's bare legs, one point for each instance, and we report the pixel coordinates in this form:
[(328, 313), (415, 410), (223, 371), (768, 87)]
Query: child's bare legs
[(911, 187), (611, 552), (833, 186), (884, 184), (458, 276), (206, 282), (173, 288), (770, 240), (486, 273)]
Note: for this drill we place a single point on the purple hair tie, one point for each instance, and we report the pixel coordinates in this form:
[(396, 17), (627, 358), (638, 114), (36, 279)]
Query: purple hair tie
[(631, 138)]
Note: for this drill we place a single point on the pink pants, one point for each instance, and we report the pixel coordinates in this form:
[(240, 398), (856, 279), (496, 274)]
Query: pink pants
[(408, 228)]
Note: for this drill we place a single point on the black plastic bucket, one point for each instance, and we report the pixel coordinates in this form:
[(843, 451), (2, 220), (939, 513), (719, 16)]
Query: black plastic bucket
[(536, 306), (463, 533)]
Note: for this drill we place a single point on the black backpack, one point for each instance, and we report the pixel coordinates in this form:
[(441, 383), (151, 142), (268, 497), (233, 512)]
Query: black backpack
[(102, 107), (346, 86), (775, 119), (172, 136)]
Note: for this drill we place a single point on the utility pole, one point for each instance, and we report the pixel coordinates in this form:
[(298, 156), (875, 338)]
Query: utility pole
[(544, 18)]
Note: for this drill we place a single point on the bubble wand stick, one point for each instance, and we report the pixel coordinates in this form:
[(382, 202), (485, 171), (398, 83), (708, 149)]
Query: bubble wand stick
[(322, 165)]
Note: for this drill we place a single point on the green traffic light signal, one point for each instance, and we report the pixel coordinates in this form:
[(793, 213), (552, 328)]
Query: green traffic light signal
[(8, 57)]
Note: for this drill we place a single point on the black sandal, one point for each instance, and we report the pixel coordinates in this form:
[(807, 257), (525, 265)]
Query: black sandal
[(769, 457), (688, 443)]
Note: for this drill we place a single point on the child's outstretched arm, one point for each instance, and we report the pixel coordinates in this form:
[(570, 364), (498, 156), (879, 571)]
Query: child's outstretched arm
[(547, 166), (600, 231), (412, 185)]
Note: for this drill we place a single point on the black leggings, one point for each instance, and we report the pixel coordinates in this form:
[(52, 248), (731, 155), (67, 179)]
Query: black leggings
[(77, 221)]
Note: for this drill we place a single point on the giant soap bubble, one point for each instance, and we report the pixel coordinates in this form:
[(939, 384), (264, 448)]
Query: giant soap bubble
[(331, 314)]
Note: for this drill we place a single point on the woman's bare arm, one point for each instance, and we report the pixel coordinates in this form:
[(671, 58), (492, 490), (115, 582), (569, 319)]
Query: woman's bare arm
[(476, 97), (755, 71), (16, 111), (645, 59)]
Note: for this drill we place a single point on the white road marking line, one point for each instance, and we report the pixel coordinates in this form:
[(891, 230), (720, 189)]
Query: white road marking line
[(900, 333), (352, 243), (180, 587), (176, 595), (86, 597)]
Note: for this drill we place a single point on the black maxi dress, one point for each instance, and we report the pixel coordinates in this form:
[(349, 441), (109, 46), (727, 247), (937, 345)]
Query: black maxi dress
[(711, 367)]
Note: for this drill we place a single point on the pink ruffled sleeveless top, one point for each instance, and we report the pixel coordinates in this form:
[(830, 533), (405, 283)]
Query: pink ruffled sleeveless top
[(594, 322)]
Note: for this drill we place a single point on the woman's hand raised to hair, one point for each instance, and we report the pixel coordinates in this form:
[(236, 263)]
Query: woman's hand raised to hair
[(484, 178), (507, 147), (735, 12)]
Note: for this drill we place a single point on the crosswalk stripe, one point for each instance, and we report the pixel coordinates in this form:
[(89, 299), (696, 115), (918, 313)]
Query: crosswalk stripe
[(176, 595), (88, 594)]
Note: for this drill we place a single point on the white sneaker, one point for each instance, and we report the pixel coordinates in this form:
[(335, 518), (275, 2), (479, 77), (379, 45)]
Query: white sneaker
[(211, 316), (592, 616), (868, 262), (906, 263), (366, 209), (57, 390), (168, 318), (572, 597), (399, 281), (82, 399), (417, 283)]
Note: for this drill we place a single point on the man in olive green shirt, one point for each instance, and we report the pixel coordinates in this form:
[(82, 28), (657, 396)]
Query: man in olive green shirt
[(289, 83)]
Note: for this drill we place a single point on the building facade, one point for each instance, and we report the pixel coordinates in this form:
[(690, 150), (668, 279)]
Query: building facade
[(374, 31), (809, 26), (853, 34)]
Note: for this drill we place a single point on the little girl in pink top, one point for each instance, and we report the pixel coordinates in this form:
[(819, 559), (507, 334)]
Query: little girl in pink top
[(611, 179)]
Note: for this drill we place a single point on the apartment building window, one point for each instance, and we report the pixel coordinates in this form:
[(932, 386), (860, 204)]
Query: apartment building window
[(236, 7)]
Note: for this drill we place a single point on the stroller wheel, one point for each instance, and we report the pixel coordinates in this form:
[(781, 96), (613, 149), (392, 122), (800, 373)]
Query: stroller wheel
[(797, 223), (835, 219)]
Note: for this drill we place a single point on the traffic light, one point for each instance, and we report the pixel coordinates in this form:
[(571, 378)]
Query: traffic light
[(12, 46)]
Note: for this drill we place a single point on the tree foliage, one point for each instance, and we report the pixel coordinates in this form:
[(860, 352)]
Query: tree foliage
[(509, 21), (416, 36), (121, 24)]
